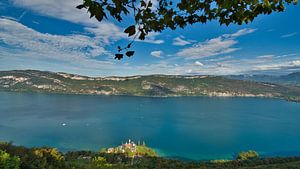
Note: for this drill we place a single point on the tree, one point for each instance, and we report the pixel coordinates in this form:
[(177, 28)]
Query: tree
[(101, 163), (52, 153), (48, 158), (173, 14), (248, 155), (8, 162)]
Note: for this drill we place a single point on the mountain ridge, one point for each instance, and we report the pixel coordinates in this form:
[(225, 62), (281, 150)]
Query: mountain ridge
[(143, 85), (289, 79)]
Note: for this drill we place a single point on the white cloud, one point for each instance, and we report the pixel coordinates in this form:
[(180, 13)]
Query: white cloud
[(8, 17), (268, 67), (296, 63), (239, 33), (189, 71), (66, 10), (197, 63), (220, 59), (277, 64), (180, 41), (266, 57), (25, 46), (106, 32), (157, 53), (15, 34), (213, 47), (155, 4), (245, 66), (153, 41), (76, 54), (151, 38), (287, 55), (289, 35), (209, 48)]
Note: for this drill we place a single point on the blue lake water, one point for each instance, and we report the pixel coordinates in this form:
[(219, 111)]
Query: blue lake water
[(186, 127)]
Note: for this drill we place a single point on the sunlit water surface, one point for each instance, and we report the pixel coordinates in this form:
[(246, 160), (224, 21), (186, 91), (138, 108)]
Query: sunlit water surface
[(184, 127)]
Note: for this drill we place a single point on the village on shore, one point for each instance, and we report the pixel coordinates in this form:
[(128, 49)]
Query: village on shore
[(131, 149)]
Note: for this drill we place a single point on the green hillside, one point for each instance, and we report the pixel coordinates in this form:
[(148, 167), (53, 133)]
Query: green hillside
[(152, 85), (289, 79)]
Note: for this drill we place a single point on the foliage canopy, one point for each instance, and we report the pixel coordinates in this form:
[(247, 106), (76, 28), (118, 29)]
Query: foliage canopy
[(150, 17), (8, 162), (15, 157)]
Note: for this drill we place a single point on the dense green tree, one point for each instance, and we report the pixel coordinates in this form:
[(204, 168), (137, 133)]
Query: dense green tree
[(178, 13), (100, 163), (9, 162), (247, 155)]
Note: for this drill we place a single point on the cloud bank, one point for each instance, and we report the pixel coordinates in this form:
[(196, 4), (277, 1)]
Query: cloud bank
[(104, 31), (221, 45)]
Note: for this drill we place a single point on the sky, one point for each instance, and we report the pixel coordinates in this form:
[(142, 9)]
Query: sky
[(53, 35)]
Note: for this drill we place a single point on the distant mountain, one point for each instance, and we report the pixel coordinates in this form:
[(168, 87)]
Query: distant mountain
[(290, 79), (293, 78), (152, 85)]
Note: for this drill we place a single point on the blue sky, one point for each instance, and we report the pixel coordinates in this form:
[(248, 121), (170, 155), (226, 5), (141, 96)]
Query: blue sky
[(53, 35)]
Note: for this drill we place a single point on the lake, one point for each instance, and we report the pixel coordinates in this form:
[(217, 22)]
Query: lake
[(196, 128)]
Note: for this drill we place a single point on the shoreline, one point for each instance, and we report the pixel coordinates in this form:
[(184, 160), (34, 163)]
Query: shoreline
[(162, 154), (150, 96)]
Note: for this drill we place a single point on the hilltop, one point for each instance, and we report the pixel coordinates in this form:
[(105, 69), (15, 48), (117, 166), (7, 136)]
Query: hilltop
[(130, 149), (289, 79), (150, 85)]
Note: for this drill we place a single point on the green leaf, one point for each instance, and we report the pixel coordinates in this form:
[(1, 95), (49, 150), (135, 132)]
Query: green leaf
[(142, 35), (143, 4), (267, 3), (172, 14), (99, 17), (130, 53), (130, 30), (119, 56), (80, 6)]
